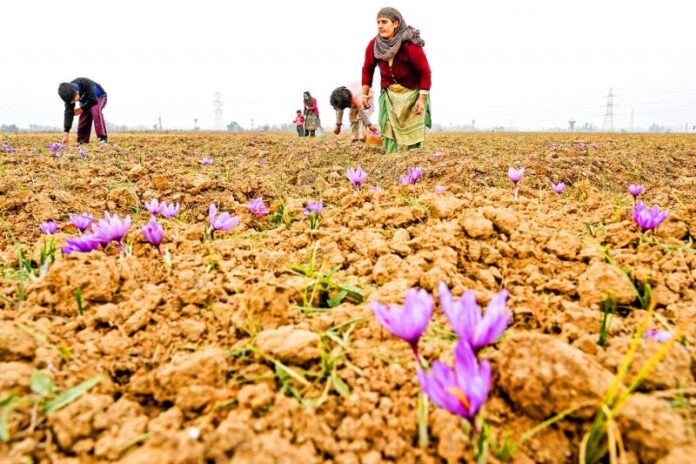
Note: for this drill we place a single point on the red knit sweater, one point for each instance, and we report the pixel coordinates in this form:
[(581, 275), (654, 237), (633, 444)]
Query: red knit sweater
[(410, 67)]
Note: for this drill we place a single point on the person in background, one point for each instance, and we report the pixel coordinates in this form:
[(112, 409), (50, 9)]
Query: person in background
[(92, 99), (404, 101), (311, 114), (299, 122), (342, 98)]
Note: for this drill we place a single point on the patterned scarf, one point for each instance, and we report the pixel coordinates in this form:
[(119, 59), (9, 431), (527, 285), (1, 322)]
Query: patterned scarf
[(386, 49)]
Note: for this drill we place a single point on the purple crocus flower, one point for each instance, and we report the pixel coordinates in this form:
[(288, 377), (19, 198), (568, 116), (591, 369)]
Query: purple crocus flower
[(257, 208), (6, 148), (56, 148), (659, 336), (111, 229), (554, 146), (153, 232), (461, 390), (356, 176), (440, 189), (437, 154), (314, 207), (154, 206), (222, 222), (469, 324), (82, 153), (636, 190), (206, 161), (648, 219), (82, 244), (377, 189), (169, 210), (515, 174), (48, 227), (81, 221), (414, 174), (404, 180), (408, 322), (559, 187)]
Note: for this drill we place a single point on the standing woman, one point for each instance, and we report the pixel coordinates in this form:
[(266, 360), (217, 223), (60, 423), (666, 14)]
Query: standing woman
[(311, 111), (404, 102)]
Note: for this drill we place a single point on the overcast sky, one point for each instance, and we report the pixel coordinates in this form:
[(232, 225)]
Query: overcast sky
[(533, 63)]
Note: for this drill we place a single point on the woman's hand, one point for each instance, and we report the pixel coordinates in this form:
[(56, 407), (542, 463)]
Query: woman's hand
[(373, 128), (65, 138), (78, 111), (419, 107)]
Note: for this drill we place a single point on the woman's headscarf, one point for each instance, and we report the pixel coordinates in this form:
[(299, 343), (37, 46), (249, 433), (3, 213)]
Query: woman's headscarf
[(386, 49)]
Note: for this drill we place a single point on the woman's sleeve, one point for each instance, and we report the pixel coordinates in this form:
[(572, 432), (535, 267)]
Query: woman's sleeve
[(420, 64), (368, 70)]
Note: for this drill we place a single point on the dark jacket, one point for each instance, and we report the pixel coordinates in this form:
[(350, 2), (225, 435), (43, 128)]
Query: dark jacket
[(89, 92)]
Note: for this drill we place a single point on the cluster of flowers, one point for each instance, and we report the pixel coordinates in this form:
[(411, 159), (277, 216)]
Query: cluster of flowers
[(646, 219), (461, 389), (56, 148), (414, 174), (166, 210), (6, 148)]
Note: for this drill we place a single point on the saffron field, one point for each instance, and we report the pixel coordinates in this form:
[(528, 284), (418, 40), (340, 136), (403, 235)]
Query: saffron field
[(260, 298)]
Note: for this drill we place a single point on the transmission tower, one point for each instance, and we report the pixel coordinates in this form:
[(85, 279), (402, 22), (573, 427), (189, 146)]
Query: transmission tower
[(609, 114), (219, 123), (571, 125)]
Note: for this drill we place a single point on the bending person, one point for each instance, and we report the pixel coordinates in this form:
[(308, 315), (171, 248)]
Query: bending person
[(342, 98), (404, 102), (92, 98)]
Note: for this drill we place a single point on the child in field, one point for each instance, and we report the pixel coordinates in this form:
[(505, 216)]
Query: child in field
[(299, 122), (92, 98), (342, 98)]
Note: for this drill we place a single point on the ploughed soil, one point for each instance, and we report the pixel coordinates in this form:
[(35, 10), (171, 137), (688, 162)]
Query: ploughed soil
[(259, 346)]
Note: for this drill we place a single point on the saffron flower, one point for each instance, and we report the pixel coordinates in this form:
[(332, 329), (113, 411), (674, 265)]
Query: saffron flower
[(464, 315), (414, 174), (82, 153), (408, 322), (81, 221), (404, 180), (206, 161), (440, 189), (462, 389), (636, 190), (222, 222), (648, 219), (48, 227), (153, 232), (257, 208), (437, 154), (515, 174), (82, 244), (356, 176), (169, 210), (559, 187), (377, 189), (313, 211), (659, 336), (313, 207), (6, 148), (56, 148), (154, 206), (111, 229)]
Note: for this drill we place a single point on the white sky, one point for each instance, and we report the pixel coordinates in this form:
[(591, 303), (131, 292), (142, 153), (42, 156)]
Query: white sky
[(536, 63)]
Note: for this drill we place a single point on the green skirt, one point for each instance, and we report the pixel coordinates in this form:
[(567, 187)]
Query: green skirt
[(400, 125)]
